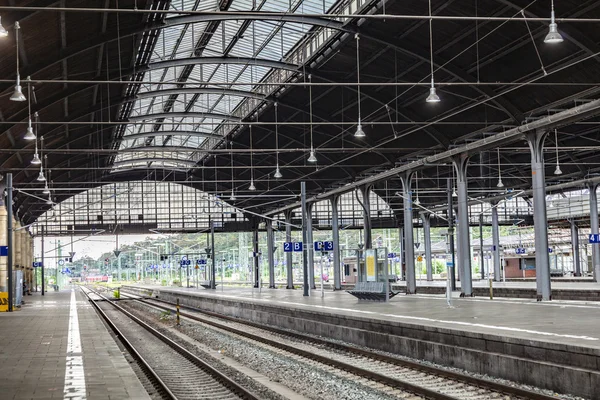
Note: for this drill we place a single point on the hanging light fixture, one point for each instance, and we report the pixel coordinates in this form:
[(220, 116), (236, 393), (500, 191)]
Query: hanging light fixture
[(553, 35), (433, 97), (557, 171), (41, 177), (500, 183), (417, 201), (18, 93), (49, 201), (46, 189), (277, 174), (251, 187), (29, 135), (3, 31), (232, 197), (311, 158), (359, 130), (36, 158)]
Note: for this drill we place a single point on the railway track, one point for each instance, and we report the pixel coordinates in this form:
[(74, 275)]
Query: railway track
[(175, 372), (423, 380)]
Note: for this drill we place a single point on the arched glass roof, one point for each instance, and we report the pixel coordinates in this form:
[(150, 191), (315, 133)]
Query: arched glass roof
[(231, 46), (142, 206)]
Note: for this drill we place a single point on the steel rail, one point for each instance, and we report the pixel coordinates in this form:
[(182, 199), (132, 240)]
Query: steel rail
[(487, 384), (216, 374), (144, 365)]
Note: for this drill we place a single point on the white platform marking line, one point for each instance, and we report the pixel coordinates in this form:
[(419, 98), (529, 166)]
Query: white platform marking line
[(74, 373), (409, 317)]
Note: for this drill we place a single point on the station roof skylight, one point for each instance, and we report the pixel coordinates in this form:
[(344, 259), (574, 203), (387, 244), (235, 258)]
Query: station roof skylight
[(227, 49)]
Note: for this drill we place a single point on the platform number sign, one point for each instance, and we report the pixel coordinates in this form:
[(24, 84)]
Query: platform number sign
[(519, 250), (594, 238), (323, 245), (289, 247), (200, 262), (3, 251)]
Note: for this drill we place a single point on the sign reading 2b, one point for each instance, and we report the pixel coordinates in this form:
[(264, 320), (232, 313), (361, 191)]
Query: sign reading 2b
[(288, 247)]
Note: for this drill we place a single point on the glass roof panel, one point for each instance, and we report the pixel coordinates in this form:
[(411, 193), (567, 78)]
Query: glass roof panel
[(271, 40)]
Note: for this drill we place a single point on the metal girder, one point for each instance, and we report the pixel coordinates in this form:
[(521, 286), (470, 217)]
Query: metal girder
[(171, 133), (218, 60), (188, 163), (178, 91), (147, 117), (578, 113)]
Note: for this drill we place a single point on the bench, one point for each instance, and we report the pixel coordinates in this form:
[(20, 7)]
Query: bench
[(370, 291), (206, 284)]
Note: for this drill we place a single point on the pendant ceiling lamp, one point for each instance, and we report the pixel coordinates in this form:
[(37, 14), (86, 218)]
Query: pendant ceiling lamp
[(36, 158), (311, 157), (41, 177), (251, 187), (29, 135), (49, 201), (553, 35), (18, 93), (417, 201), (433, 97), (500, 183), (359, 130), (3, 31), (232, 197), (557, 171), (46, 189), (277, 174)]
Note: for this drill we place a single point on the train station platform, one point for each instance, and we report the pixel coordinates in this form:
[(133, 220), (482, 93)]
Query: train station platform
[(56, 346), (509, 338)]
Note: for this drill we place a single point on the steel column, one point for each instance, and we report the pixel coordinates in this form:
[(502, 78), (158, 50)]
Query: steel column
[(401, 247), (9, 238), (450, 212), (427, 238), (271, 251), (481, 254), (42, 259), (335, 230), (466, 284), (409, 245), (310, 250), (594, 229), (288, 256), (366, 204), (213, 257), (575, 247), (496, 243), (256, 255), (542, 261), (306, 245)]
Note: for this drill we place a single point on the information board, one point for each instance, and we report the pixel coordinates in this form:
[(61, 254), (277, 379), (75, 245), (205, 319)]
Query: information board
[(370, 260)]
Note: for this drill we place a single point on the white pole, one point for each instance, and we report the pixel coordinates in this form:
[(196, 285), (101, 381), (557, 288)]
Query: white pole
[(322, 287)]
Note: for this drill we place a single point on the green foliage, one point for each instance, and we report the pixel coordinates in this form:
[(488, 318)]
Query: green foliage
[(165, 315), (117, 294), (163, 282)]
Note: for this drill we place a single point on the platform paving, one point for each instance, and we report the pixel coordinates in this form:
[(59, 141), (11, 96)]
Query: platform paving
[(38, 341), (572, 323)]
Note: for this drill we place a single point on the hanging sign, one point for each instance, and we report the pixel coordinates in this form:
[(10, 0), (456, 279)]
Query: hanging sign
[(370, 260)]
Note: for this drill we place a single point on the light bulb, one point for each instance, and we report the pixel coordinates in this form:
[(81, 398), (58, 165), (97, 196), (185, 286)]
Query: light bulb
[(312, 157), (359, 132), (36, 159), (433, 97), (29, 135), (557, 171), (3, 31)]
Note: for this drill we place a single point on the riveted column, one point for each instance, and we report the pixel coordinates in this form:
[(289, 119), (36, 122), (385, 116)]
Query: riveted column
[(594, 229), (271, 251), (366, 191), (538, 180), (409, 242), (288, 255), (427, 238), (464, 259), (496, 243), (575, 248), (335, 233), (256, 255), (310, 251)]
